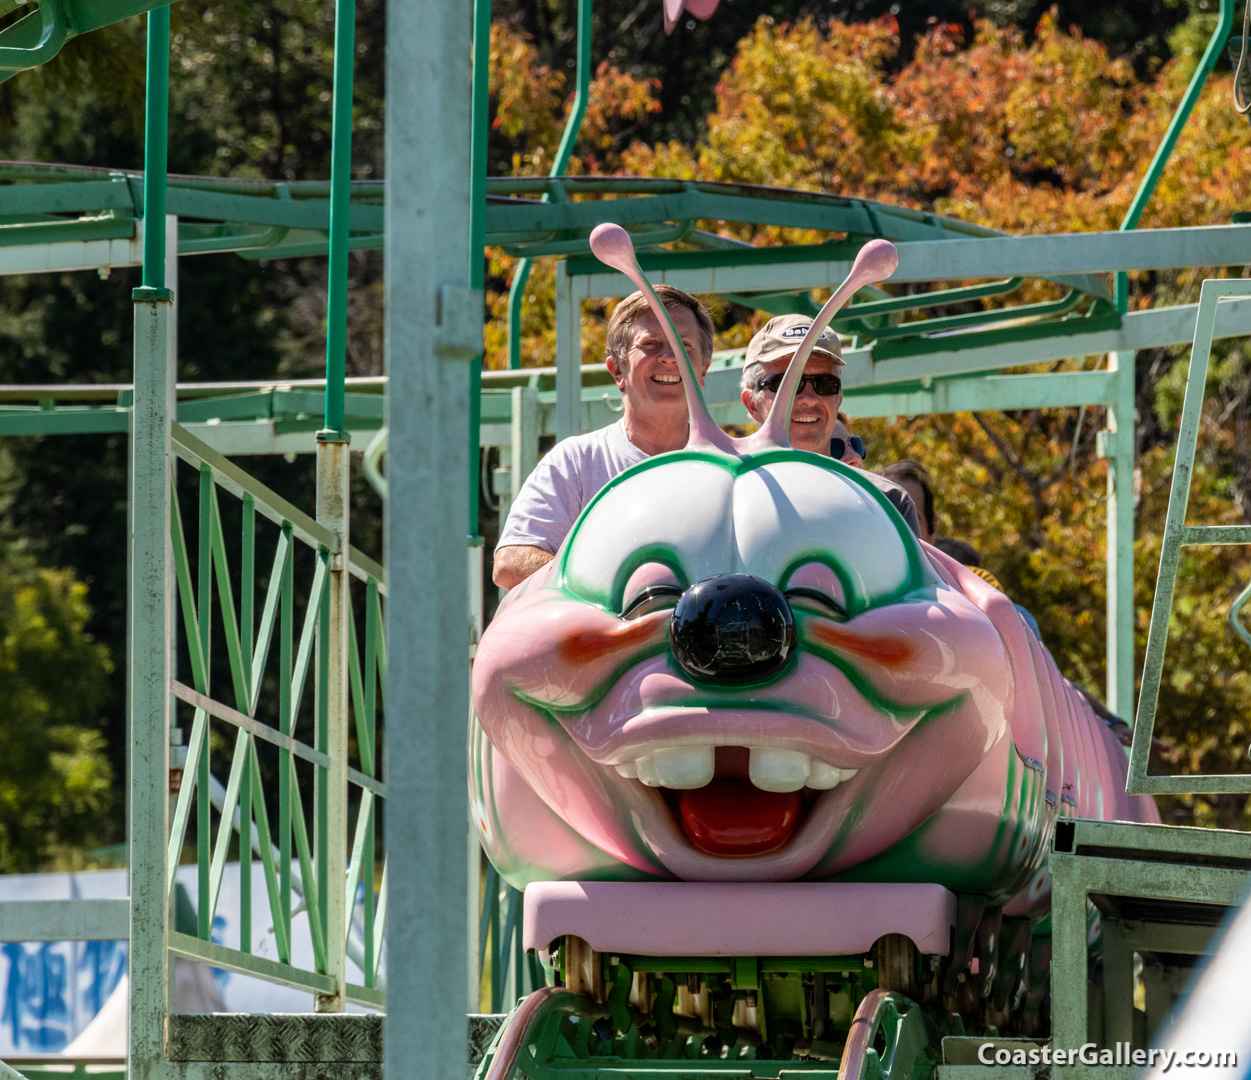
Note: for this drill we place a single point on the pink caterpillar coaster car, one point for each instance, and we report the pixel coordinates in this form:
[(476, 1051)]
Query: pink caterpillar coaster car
[(742, 666)]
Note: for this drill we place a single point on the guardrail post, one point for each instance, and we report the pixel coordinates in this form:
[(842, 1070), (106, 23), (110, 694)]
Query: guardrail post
[(333, 463)]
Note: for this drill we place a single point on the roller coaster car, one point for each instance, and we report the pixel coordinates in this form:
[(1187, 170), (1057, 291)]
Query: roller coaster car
[(779, 780)]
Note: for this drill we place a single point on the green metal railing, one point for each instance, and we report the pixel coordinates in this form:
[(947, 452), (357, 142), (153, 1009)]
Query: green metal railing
[(512, 972), (1177, 534), (272, 765)]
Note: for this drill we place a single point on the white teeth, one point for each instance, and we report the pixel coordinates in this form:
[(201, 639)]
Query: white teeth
[(647, 770), (682, 767), (822, 777), (778, 770)]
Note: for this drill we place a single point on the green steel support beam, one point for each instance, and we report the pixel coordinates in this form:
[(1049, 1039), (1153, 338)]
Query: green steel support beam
[(64, 920), (1164, 151), (1119, 448), (48, 21), (568, 356), (1121, 444), (333, 476), (480, 120), (149, 583), (331, 820), (156, 139), (581, 96), (1056, 256), (340, 211), (433, 332), (1061, 390), (1177, 534)]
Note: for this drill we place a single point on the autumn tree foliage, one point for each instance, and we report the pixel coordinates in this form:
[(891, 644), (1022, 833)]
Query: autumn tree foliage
[(1045, 132)]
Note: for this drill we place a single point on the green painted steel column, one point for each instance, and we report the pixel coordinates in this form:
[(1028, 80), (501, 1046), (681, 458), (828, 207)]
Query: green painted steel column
[(581, 95), (340, 211), (333, 475), (433, 333), (333, 461), (1069, 981), (477, 265), (1119, 449), (149, 644), (481, 95), (568, 420), (1120, 443), (155, 149)]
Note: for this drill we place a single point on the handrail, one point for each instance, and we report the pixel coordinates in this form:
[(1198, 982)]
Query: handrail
[(581, 96)]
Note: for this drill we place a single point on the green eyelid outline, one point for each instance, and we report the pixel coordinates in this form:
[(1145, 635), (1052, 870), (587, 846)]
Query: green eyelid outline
[(666, 556), (853, 603)]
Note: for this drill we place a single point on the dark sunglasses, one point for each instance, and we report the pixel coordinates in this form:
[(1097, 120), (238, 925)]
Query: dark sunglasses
[(838, 447), (826, 384)]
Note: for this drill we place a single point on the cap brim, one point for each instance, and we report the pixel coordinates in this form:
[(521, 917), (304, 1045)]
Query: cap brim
[(785, 351)]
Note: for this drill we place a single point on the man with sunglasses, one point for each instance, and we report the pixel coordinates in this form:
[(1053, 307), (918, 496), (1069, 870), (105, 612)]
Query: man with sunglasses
[(814, 419)]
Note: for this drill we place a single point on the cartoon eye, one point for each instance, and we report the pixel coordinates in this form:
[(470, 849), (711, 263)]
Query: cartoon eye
[(665, 514), (815, 587), (651, 587), (811, 600), (653, 598)]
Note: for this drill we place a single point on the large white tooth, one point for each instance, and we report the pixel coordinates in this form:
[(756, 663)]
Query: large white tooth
[(628, 769), (646, 765), (822, 777), (684, 767), (778, 770), (846, 774)]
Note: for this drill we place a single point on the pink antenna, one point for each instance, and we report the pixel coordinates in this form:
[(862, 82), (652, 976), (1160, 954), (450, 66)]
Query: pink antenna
[(613, 247), (876, 261)]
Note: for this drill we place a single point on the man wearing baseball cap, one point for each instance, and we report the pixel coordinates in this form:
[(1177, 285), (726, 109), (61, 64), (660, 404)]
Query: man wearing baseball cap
[(814, 418)]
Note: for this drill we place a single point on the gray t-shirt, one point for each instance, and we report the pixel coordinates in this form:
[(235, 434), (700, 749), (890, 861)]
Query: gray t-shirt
[(568, 477), (573, 471)]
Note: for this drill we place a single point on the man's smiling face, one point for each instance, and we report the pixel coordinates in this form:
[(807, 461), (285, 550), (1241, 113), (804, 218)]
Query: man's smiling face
[(649, 376), (814, 417)]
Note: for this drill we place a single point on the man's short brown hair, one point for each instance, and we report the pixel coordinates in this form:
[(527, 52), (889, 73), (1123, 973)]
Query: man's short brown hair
[(634, 306)]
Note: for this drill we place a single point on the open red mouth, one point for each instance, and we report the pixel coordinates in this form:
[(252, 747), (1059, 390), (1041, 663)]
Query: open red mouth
[(731, 817)]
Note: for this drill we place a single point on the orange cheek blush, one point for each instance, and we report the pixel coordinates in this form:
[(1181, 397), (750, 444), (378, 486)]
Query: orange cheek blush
[(890, 652), (587, 646)]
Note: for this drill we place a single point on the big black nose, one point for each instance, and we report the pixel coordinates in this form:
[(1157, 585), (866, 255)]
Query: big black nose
[(732, 628)]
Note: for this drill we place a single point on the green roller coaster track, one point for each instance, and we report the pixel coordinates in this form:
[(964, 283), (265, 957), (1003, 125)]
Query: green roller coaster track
[(426, 909)]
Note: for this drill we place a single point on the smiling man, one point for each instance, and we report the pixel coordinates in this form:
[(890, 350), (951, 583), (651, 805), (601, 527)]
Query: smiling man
[(814, 419), (654, 421)]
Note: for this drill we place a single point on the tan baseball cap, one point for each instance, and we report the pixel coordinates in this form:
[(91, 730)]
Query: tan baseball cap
[(781, 336)]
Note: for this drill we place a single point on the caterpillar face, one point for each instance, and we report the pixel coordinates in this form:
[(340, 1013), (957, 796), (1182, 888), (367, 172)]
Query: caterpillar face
[(737, 668)]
